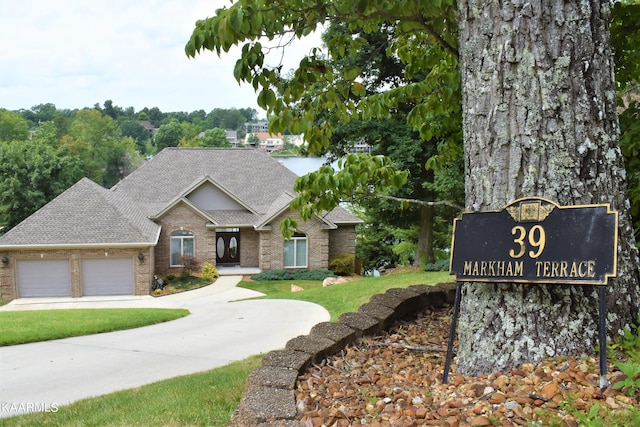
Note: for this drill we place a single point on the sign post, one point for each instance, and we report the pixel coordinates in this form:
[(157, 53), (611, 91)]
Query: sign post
[(533, 240)]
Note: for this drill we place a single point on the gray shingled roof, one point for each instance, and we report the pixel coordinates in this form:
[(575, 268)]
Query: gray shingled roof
[(88, 214), (340, 215), (276, 207), (232, 218), (85, 214), (250, 175)]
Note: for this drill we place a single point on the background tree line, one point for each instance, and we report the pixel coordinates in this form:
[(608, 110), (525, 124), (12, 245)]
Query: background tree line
[(44, 150)]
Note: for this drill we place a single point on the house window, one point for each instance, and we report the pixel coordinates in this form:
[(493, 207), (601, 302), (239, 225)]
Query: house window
[(295, 251), (182, 243)]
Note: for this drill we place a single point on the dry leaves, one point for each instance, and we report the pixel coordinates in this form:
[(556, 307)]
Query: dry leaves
[(396, 380)]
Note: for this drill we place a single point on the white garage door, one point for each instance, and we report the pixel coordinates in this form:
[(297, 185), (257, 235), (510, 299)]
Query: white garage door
[(43, 278), (111, 276)]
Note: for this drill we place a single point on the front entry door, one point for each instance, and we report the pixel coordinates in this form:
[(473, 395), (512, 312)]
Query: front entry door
[(228, 248)]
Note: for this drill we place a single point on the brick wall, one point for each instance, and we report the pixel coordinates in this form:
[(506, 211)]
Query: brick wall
[(272, 244), (342, 241), (182, 217), (249, 243)]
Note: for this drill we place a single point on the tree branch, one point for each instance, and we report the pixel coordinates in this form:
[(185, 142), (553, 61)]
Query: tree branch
[(417, 201)]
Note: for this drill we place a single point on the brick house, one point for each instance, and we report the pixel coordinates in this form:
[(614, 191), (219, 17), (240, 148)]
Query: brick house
[(219, 205)]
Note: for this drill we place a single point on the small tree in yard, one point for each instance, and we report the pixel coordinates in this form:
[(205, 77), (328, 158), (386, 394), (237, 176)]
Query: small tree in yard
[(189, 264)]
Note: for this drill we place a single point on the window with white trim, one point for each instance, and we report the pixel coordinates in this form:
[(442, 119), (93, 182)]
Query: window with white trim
[(182, 243), (295, 251)]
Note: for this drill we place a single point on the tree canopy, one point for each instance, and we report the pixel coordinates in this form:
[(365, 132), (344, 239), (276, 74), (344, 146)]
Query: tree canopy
[(12, 126), (33, 173), (415, 72)]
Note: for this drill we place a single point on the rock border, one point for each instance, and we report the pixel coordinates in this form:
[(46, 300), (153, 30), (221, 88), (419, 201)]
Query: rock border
[(269, 400)]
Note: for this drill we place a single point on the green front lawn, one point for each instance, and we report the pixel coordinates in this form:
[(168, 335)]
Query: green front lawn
[(344, 297), (20, 327)]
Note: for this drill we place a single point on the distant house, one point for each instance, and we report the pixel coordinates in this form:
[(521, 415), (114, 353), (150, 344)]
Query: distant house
[(267, 142), (361, 147), (223, 206), (232, 137), (149, 126), (256, 127)]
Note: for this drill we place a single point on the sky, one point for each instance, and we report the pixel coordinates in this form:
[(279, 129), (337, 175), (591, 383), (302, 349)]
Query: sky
[(76, 53)]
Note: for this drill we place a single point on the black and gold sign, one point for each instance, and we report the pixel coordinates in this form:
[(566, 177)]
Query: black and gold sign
[(533, 240)]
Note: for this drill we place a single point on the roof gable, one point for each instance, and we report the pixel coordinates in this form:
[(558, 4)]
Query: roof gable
[(208, 196), (253, 178)]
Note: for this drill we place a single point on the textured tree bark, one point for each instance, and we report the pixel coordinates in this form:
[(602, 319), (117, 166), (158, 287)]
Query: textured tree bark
[(424, 247), (539, 119)]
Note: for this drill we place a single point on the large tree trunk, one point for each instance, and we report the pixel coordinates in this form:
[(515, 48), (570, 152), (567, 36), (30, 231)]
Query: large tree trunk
[(424, 247), (539, 119)]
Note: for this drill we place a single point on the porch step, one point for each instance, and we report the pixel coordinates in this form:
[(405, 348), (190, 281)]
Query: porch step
[(238, 271)]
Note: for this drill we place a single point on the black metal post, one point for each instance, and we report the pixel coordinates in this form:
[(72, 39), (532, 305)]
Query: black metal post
[(602, 333), (452, 333)]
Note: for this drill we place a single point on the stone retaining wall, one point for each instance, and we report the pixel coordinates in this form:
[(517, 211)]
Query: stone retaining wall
[(269, 400)]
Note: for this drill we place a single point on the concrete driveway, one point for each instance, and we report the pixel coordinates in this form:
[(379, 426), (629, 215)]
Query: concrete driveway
[(47, 375)]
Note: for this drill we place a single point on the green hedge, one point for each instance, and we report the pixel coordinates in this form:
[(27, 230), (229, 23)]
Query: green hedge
[(442, 265), (293, 275)]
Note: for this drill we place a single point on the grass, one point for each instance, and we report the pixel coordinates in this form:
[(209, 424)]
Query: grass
[(20, 327), (344, 297), (206, 399), (209, 398)]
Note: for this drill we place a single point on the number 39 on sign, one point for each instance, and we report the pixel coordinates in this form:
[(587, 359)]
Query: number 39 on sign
[(535, 237)]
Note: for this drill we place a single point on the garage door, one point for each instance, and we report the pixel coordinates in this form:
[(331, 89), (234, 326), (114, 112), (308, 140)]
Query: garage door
[(112, 276), (43, 278)]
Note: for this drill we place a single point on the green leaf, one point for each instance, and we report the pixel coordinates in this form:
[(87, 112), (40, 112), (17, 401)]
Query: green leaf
[(266, 99), (358, 89)]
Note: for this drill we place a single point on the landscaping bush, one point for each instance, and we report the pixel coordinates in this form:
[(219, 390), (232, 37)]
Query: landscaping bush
[(293, 275), (441, 265), (342, 264), (209, 271)]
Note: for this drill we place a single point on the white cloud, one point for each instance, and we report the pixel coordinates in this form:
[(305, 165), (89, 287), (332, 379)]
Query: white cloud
[(76, 53)]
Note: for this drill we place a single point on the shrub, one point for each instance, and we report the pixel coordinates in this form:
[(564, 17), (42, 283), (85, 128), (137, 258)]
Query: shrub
[(441, 265), (209, 271), (169, 277), (293, 275), (189, 264), (342, 264)]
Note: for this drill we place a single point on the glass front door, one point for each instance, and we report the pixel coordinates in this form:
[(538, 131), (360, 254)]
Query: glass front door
[(228, 248)]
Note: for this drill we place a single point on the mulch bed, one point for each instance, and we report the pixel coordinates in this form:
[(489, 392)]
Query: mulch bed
[(395, 380)]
